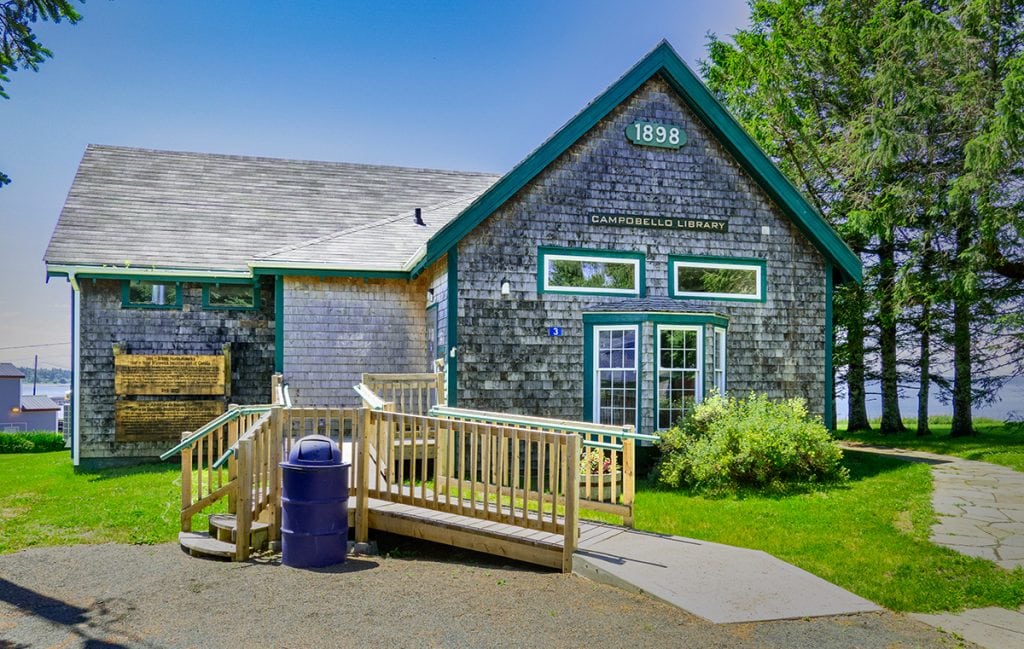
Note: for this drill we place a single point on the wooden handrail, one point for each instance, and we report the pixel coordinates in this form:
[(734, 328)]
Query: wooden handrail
[(564, 425)]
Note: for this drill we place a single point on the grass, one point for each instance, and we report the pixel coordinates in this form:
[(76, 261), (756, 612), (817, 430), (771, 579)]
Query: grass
[(870, 536), (43, 501), (995, 442)]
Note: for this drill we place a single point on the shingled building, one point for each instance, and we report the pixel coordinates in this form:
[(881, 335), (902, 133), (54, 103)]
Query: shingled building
[(646, 254)]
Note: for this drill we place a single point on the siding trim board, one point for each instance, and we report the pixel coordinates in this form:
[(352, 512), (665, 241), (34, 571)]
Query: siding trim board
[(452, 360)]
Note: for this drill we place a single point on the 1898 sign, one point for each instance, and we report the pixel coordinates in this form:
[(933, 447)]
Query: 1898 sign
[(660, 135)]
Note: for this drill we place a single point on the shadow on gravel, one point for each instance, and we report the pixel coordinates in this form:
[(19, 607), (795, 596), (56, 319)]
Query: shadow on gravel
[(351, 565), (74, 618), (393, 546)]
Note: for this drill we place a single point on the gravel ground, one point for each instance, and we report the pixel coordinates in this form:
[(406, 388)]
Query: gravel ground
[(107, 596)]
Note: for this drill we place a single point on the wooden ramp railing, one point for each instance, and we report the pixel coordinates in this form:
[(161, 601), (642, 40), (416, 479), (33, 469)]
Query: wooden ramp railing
[(413, 394), (607, 480)]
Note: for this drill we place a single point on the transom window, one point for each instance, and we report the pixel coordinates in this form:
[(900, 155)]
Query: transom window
[(230, 296), (590, 272), (679, 372), (154, 295), (717, 278)]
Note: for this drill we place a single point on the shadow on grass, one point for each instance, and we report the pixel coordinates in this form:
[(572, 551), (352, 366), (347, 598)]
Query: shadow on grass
[(114, 472)]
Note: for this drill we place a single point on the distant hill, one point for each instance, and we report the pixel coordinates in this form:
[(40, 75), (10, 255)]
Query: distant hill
[(47, 375)]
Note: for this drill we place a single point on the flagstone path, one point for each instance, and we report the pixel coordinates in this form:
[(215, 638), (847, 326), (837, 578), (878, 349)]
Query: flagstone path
[(980, 506)]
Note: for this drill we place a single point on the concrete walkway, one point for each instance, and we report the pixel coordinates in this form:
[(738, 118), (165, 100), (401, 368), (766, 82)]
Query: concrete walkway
[(980, 508), (719, 583)]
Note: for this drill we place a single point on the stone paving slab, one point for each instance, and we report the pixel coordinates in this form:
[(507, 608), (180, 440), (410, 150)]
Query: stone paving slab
[(980, 506), (717, 582), (992, 627)]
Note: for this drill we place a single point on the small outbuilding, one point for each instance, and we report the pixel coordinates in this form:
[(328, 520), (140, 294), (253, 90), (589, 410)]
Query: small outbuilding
[(21, 413), (645, 255)]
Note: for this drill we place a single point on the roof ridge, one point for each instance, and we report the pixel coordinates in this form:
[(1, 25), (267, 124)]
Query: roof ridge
[(366, 226), (237, 156)]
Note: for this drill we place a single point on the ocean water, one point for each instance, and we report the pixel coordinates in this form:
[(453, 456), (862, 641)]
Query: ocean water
[(1008, 405)]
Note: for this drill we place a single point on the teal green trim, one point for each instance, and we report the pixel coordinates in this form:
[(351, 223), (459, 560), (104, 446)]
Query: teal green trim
[(732, 261), (217, 307), (588, 367), (167, 279), (701, 362), (279, 324), (126, 302), (314, 272), (629, 317), (827, 413), (544, 252), (452, 361), (51, 273), (662, 60)]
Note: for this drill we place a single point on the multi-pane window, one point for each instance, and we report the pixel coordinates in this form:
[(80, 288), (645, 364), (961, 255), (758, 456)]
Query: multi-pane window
[(144, 293), (230, 296), (590, 272), (724, 279), (616, 368), (679, 372), (718, 362)]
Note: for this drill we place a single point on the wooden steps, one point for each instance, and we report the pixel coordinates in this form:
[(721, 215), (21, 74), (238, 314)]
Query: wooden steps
[(219, 542)]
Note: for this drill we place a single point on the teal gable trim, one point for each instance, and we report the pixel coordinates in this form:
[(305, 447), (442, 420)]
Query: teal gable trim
[(662, 60), (738, 261), (452, 362), (278, 324), (827, 411), (628, 317)]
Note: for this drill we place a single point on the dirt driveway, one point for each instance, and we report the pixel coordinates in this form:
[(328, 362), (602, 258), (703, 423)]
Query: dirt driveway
[(107, 596)]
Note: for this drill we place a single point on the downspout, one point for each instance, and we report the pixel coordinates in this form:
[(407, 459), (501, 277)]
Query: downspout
[(76, 369)]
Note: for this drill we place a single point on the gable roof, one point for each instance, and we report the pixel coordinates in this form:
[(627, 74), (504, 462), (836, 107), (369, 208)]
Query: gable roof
[(388, 245), (662, 60), (9, 371), (144, 209), (34, 402)]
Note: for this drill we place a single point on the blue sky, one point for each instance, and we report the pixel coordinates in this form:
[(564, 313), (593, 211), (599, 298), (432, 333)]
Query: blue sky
[(456, 85)]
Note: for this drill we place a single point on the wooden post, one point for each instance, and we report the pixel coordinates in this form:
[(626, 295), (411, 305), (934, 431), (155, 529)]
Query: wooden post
[(243, 518), (274, 471), (628, 479), (362, 440), (186, 484), (572, 481), (233, 461), (226, 349)]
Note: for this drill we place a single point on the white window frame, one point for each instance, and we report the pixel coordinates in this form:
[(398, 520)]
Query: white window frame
[(698, 366), (598, 258), (757, 295), (595, 415), (718, 366)]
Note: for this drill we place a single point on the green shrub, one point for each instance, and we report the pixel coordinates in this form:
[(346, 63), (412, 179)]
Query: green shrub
[(725, 443), (31, 442)]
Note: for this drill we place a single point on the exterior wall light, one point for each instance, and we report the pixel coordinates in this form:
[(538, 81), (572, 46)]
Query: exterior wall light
[(15, 410), (506, 287)]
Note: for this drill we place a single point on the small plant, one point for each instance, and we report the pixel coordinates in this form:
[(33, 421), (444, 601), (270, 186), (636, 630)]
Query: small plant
[(594, 461), (31, 442), (724, 443)]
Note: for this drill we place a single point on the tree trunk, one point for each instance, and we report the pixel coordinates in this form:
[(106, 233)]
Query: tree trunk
[(925, 367), (857, 411), (962, 424), (892, 422)]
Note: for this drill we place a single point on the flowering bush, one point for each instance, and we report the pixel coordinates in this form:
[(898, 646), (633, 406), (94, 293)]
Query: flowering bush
[(595, 460), (728, 442)]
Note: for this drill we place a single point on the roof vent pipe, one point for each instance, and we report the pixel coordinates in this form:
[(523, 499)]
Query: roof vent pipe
[(418, 218)]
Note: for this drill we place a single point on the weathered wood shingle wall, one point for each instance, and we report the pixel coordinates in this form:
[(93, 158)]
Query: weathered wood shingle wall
[(190, 330), (507, 360)]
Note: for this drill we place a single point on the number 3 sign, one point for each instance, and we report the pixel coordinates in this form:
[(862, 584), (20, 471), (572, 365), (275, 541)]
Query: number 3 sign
[(660, 135)]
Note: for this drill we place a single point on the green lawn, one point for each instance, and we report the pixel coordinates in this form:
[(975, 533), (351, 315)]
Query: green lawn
[(44, 502), (870, 537), (995, 442)]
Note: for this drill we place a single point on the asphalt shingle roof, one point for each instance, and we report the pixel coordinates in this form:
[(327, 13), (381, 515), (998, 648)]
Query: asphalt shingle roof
[(9, 371), (166, 209)]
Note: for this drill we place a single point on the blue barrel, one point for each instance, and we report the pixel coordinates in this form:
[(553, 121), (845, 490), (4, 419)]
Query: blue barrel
[(314, 499)]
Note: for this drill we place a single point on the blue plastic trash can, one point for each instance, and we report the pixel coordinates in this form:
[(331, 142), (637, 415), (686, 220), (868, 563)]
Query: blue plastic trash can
[(314, 504)]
